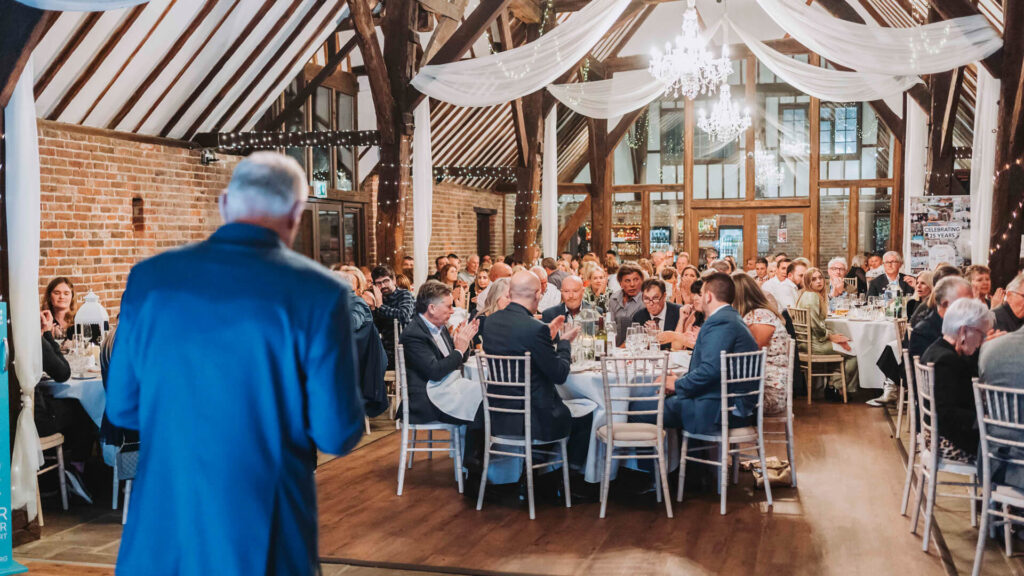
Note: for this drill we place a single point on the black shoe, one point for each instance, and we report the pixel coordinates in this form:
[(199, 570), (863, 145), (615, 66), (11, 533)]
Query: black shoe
[(832, 395)]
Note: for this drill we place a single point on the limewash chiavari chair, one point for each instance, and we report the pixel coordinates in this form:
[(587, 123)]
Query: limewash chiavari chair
[(646, 375), (1000, 416), (786, 419), (903, 392), (808, 360), (409, 448), (505, 386), (931, 462), (914, 445), (740, 368)]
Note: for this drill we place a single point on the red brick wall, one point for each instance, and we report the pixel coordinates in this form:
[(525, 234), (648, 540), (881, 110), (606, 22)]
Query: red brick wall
[(89, 179)]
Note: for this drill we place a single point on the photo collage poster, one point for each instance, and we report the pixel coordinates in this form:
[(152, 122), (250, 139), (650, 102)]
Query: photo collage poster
[(940, 231)]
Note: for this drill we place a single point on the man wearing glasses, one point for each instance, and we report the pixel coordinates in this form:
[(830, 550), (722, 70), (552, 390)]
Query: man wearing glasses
[(837, 269), (657, 313), (390, 303), (1010, 316), (891, 263)]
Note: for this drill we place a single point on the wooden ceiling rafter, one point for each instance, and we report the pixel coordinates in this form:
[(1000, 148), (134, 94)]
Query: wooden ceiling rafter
[(20, 31), (81, 31)]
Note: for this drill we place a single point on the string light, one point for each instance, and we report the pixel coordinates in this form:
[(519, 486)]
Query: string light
[(502, 173), (239, 141), (1005, 234)]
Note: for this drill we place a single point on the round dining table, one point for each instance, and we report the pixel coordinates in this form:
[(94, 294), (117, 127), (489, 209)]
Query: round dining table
[(870, 338)]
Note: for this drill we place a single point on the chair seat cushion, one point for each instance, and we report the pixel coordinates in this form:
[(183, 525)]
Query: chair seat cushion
[(51, 441), (1008, 494), (631, 432), (822, 357), (745, 434)]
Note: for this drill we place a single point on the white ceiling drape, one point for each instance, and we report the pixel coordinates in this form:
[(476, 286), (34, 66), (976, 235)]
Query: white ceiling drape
[(925, 49), (505, 76), (80, 5), (609, 98)]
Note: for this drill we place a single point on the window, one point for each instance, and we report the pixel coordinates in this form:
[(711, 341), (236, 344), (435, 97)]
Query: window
[(839, 127)]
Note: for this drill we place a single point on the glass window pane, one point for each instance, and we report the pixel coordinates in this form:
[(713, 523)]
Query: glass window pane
[(626, 210), (667, 221), (345, 156), (874, 220), (321, 169), (329, 236), (834, 224), (783, 232)]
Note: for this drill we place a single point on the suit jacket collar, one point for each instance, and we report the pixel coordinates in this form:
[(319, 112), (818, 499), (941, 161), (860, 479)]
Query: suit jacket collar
[(430, 336), (246, 234), (518, 309)]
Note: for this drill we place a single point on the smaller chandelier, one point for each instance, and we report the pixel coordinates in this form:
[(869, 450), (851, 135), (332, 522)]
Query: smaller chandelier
[(794, 147), (688, 69), (726, 122), (767, 171)]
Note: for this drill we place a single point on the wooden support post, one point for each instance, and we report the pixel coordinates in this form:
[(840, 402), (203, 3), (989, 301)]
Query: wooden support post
[(600, 187), (528, 178), (572, 225), (1007, 218), (945, 91)]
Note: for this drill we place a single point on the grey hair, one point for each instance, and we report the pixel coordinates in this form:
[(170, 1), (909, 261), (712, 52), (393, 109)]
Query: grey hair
[(946, 289), (967, 313), (894, 253), (1016, 285), (538, 270), (840, 260), (264, 184), (495, 291), (858, 261)]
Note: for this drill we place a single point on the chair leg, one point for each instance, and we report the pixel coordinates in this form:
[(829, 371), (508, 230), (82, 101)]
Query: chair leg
[(911, 457), (403, 455), (430, 444), (918, 496), (663, 471), (899, 411), (972, 492), (1007, 530), (366, 422), (39, 504), (63, 480), (529, 481), (565, 473), (810, 382), (412, 446), (483, 475), (682, 469), (979, 550), (457, 441), (735, 474), (764, 470), (127, 500), (724, 473), (791, 450), (117, 485), (929, 509), (842, 371), (657, 483), (609, 448)]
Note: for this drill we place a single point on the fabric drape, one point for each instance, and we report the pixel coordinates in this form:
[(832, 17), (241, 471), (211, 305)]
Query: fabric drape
[(983, 164), (22, 183), (549, 187), (915, 151), (608, 98), (822, 83), (422, 192), (925, 49), (80, 5), (505, 76)]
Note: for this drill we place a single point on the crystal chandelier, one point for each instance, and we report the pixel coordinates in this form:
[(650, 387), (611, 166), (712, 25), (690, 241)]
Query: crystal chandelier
[(725, 122), (687, 68), (794, 147), (767, 171)]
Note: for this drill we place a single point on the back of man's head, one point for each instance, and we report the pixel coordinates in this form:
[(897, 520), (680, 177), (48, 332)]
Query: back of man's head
[(949, 289), (264, 185), (523, 289), (944, 272), (549, 264), (721, 287), (500, 270)]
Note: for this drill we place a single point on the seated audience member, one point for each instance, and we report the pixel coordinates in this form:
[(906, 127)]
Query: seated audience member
[(980, 278), (812, 298), (395, 304), (431, 354), (627, 301), (1001, 364), (857, 272), (785, 292), (468, 276), (929, 329), (695, 403), (760, 271), (63, 415), (769, 331), (513, 332), (891, 277), (731, 262), (874, 266), (550, 296), (498, 271), (671, 279), (59, 301), (596, 293), (781, 268), (371, 352), (497, 299), (684, 294), (780, 257), (657, 312), (404, 282), (360, 286), (922, 309), (964, 328), (439, 263), (1010, 314), (691, 317), (358, 308), (682, 261), (480, 283), (721, 266), (837, 270), (555, 274), (572, 301), (750, 265), (408, 267), (646, 266), (922, 290), (486, 261)]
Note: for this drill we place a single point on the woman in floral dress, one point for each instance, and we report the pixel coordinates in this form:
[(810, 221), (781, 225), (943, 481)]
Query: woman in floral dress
[(769, 331)]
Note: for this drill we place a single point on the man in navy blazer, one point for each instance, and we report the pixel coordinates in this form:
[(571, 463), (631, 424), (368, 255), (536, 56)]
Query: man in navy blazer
[(234, 360), (430, 351), (572, 301), (664, 315), (696, 404)]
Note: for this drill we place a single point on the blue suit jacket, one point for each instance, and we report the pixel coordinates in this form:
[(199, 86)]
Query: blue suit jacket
[(234, 360), (699, 391)]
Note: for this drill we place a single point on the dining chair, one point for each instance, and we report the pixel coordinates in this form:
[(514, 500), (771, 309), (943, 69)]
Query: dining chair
[(389, 380), (1000, 419), (902, 391), (786, 419), (914, 444), (931, 462), (740, 372), (126, 463), (52, 442), (505, 387), (808, 359), (850, 285), (646, 375), (409, 444)]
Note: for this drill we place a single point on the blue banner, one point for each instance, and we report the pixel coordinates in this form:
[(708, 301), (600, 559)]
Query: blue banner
[(7, 563)]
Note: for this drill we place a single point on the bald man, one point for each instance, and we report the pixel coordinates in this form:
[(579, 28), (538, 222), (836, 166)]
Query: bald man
[(513, 332), (549, 295), (572, 301), (497, 272)]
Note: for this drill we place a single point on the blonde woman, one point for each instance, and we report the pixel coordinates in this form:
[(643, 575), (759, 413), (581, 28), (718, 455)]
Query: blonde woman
[(813, 298), (497, 299), (596, 280), (362, 288)]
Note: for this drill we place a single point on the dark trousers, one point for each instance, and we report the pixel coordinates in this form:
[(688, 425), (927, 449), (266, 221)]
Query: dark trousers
[(577, 446), (66, 416)]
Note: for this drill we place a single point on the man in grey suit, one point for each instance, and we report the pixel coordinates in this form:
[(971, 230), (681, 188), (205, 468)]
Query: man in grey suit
[(1002, 364)]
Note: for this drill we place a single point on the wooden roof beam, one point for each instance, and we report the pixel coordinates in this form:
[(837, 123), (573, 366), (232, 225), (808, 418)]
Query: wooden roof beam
[(950, 9), (21, 28)]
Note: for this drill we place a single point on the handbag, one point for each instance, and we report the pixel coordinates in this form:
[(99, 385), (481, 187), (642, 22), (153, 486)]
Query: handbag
[(779, 471)]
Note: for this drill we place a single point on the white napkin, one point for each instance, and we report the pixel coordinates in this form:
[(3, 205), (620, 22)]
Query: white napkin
[(851, 352), (679, 359), (459, 316), (456, 396)]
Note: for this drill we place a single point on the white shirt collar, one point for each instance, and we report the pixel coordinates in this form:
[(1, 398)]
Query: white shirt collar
[(716, 311)]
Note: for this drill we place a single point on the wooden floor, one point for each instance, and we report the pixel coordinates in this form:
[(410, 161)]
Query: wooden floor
[(843, 520)]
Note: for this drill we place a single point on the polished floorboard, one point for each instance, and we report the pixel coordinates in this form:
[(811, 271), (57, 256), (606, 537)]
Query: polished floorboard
[(844, 519)]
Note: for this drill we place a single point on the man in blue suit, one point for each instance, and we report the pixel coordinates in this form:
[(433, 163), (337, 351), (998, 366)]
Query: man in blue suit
[(234, 360), (696, 405)]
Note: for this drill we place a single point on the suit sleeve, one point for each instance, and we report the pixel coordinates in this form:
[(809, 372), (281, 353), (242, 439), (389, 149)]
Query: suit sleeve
[(551, 359), (335, 419), (122, 380), (705, 377), (420, 356), (873, 289)]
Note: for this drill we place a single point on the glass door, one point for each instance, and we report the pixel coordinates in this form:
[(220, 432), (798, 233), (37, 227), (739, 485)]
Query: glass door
[(720, 235), (352, 234), (781, 232), (329, 235)]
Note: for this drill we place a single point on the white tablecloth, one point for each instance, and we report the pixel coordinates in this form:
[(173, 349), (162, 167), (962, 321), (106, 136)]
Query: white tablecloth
[(870, 338), (89, 393)]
